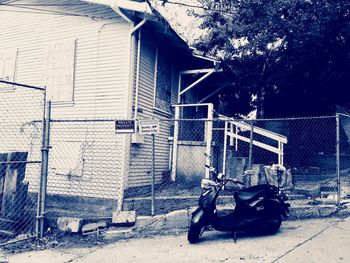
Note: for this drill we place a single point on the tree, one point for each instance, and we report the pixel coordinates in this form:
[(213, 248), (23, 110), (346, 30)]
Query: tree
[(295, 54)]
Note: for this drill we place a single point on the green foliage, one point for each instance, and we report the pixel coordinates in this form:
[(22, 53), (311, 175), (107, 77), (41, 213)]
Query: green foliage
[(297, 51)]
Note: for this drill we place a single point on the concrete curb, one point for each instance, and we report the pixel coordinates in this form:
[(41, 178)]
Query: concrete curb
[(178, 221)]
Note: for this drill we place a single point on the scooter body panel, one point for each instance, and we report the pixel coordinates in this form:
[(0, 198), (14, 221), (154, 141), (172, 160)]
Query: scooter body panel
[(257, 208), (247, 214)]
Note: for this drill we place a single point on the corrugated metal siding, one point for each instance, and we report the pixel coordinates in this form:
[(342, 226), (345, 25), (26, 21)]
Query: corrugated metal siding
[(141, 155), (101, 66)]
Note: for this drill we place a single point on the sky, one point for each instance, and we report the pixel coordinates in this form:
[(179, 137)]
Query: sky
[(186, 26)]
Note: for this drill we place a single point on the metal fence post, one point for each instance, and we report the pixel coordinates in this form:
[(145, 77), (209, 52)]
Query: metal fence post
[(338, 157), (44, 171), (209, 138), (175, 143), (153, 174)]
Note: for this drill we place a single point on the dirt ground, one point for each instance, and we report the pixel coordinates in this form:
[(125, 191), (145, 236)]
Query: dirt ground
[(306, 241)]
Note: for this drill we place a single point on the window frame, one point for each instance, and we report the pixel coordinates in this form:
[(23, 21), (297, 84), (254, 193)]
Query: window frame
[(70, 101), (13, 52), (155, 86)]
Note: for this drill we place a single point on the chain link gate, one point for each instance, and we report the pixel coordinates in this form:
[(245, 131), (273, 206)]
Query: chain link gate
[(21, 130)]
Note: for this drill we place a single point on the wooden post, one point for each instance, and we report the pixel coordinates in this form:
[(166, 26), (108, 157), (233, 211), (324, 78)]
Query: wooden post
[(225, 149), (280, 153), (251, 146), (231, 137), (236, 140)]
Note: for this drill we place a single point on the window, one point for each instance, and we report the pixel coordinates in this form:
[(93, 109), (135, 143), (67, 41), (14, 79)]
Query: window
[(163, 81), (59, 61), (8, 64)]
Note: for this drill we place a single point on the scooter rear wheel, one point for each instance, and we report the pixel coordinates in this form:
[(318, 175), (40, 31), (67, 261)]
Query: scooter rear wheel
[(194, 233)]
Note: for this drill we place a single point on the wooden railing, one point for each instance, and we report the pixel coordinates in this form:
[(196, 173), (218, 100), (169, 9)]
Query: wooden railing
[(232, 131)]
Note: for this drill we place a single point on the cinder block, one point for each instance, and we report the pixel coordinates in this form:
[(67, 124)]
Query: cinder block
[(303, 212), (344, 211), (118, 232), (69, 224), (124, 218), (93, 227)]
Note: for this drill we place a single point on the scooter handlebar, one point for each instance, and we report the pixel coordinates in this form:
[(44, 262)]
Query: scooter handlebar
[(211, 169), (234, 181)]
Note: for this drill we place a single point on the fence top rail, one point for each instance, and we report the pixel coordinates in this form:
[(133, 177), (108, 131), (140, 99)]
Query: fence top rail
[(248, 122), (278, 119), (22, 85), (82, 120), (343, 114), (253, 120)]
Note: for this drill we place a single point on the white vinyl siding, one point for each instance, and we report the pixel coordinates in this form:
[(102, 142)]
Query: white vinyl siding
[(141, 161), (101, 84), (101, 53)]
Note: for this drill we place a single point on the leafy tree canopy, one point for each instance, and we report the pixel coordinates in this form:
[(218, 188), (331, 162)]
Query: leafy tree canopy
[(295, 53)]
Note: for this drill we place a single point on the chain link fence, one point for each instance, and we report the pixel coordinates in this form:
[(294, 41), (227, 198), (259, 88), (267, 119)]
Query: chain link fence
[(92, 170), (307, 149), (21, 130), (86, 168)]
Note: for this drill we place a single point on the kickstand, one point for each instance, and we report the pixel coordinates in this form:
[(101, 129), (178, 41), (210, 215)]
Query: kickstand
[(235, 236)]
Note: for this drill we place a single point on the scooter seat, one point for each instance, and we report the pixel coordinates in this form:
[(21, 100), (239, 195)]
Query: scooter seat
[(251, 193)]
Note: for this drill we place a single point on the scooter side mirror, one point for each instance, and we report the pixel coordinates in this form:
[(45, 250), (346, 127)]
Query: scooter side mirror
[(220, 176)]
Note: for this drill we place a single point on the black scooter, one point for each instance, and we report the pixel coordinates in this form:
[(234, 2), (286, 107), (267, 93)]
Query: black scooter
[(259, 208)]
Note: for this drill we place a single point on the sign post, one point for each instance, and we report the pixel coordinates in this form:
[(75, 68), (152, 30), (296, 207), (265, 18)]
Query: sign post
[(151, 126), (122, 127)]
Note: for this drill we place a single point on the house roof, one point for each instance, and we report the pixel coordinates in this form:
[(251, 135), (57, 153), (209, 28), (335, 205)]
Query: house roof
[(158, 24), (134, 10)]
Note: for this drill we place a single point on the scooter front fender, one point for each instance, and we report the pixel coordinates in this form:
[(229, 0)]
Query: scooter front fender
[(198, 217)]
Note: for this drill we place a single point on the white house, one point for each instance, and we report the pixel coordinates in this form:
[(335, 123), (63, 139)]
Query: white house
[(99, 62)]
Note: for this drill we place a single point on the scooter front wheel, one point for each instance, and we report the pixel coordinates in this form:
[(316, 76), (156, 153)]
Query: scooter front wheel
[(195, 232)]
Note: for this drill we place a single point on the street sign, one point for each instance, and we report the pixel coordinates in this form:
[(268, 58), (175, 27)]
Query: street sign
[(125, 126), (150, 126)]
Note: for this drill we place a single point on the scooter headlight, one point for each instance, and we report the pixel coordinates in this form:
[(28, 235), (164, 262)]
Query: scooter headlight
[(207, 184)]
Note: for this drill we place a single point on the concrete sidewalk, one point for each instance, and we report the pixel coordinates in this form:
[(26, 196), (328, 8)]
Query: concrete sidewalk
[(314, 240)]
